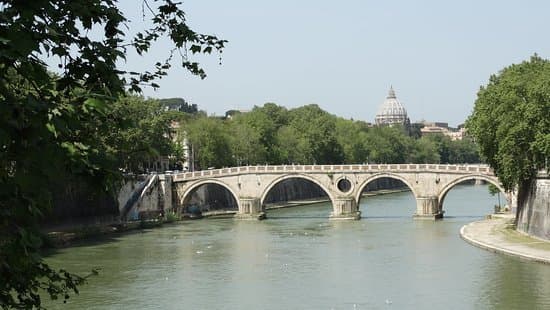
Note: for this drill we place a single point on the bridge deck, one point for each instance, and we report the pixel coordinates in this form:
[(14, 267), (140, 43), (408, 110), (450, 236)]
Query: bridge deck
[(482, 169)]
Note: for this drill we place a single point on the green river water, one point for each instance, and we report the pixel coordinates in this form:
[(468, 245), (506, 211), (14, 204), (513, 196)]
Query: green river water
[(298, 259)]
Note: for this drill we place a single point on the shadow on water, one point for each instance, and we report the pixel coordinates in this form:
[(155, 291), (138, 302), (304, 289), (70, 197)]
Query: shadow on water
[(463, 217), (386, 217), (296, 217), (92, 241)]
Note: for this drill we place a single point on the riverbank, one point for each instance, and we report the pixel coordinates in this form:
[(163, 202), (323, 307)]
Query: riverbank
[(66, 235), (497, 234)]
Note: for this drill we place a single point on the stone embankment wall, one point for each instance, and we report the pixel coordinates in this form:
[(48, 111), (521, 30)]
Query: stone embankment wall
[(140, 198), (534, 215), (76, 202)]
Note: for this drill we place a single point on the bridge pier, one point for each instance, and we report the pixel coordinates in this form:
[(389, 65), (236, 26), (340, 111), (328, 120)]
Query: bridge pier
[(250, 209), (428, 208), (166, 205), (345, 208)]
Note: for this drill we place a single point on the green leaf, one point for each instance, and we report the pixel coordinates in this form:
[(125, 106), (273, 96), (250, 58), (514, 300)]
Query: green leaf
[(51, 128), (96, 104)]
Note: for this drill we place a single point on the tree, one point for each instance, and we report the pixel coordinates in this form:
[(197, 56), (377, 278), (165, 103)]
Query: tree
[(179, 104), (424, 151), (511, 122), (493, 190), (266, 121), (463, 151), (352, 137), (139, 131), (292, 147), (210, 142), (388, 145), (46, 119), (318, 128), (443, 146), (245, 143)]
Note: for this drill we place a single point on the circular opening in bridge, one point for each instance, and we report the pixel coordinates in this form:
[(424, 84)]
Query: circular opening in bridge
[(209, 200), (344, 185), (297, 198)]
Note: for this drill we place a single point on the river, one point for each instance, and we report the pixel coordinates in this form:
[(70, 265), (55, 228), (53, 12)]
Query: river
[(298, 259)]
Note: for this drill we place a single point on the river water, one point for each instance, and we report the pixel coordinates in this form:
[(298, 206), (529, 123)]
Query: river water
[(298, 259)]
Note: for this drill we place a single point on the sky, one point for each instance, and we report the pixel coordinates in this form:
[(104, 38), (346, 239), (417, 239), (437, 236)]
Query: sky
[(344, 55)]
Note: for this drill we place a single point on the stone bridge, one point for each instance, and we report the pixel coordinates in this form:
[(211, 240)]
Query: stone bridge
[(343, 184)]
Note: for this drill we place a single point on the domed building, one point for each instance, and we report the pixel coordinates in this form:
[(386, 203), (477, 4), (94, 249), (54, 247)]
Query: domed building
[(392, 111)]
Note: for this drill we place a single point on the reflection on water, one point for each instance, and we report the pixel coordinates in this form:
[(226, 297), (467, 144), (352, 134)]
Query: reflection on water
[(297, 259)]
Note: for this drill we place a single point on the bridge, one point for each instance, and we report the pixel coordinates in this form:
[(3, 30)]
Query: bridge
[(343, 185)]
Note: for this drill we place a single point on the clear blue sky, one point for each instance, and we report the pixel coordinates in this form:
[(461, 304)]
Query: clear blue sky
[(344, 55)]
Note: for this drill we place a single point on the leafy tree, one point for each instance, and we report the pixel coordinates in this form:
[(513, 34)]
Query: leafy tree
[(510, 122), (318, 128), (46, 120), (278, 114), (415, 130), (388, 145), (179, 104), (292, 147), (443, 146), (352, 137), (454, 152), (463, 151), (266, 121), (139, 131), (245, 144), (424, 151), (493, 190), (210, 142)]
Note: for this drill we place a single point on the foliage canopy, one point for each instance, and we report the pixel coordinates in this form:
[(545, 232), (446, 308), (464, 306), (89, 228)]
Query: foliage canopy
[(511, 121), (308, 135), (55, 122)]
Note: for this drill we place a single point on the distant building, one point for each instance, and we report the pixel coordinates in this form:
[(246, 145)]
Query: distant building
[(457, 135), (178, 104), (170, 162), (429, 128), (392, 111), (181, 139), (231, 113)]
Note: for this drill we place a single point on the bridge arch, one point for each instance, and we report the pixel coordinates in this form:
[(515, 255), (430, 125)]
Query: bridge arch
[(375, 177), (278, 180), (443, 193), (187, 193)]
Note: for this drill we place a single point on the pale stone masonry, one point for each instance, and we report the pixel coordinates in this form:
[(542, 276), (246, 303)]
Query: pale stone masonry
[(251, 184)]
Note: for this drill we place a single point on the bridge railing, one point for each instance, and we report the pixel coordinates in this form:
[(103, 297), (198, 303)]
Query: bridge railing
[(483, 169)]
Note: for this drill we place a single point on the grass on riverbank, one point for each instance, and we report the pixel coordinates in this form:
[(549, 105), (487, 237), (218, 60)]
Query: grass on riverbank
[(508, 231)]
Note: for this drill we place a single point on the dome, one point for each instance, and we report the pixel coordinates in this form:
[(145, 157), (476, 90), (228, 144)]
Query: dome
[(391, 111)]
